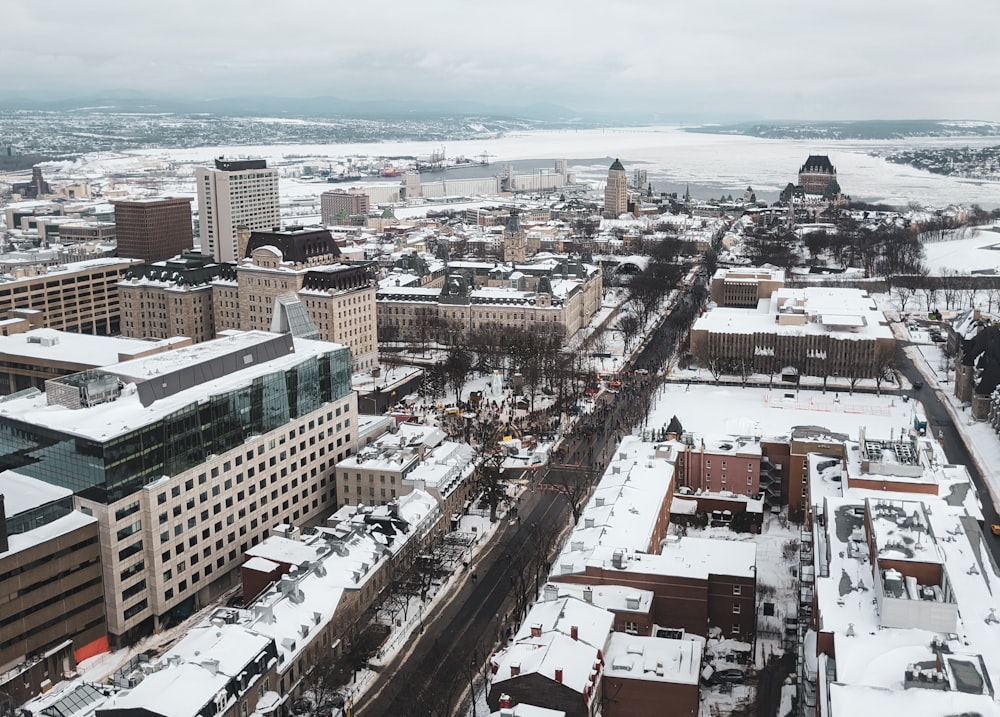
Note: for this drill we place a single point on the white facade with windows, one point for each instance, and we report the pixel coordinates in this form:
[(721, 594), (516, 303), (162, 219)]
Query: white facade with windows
[(229, 199)]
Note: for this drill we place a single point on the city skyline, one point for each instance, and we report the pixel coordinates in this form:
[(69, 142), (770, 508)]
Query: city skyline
[(727, 60)]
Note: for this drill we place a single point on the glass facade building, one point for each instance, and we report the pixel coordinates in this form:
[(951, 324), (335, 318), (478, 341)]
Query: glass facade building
[(108, 470)]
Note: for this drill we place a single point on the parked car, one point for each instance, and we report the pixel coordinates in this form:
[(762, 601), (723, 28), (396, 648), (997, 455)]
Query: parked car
[(732, 674)]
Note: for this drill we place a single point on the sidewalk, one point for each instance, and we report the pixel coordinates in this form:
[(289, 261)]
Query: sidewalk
[(980, 438)]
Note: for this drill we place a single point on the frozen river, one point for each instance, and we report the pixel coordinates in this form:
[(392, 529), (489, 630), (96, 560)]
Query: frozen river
[(711, 164)]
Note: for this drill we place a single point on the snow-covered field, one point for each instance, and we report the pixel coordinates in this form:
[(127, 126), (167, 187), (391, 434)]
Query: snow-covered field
[(975, 250)]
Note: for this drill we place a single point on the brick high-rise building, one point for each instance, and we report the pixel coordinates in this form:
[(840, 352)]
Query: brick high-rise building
[(235, 194), (153, 229), (338, 206)]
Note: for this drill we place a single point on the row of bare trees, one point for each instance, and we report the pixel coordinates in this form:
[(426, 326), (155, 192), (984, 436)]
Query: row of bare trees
[(881, 369), (953, 289)]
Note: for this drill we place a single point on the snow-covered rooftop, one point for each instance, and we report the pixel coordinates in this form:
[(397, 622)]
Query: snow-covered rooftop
[(626, 505), (73, 348), (681, 557), (842, 313), (619, 598), (873, 651), (194, 672), (591, 623), (106, 420), (545, 654), (656, 659), (22, 493)]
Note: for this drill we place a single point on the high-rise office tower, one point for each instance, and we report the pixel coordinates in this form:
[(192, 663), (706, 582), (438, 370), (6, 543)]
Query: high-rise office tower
[(153, 229), (616, 191), (237, 193), (187, 460)]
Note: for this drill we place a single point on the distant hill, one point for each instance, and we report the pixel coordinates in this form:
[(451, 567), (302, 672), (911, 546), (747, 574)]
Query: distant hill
[(857, 129), (246, 106), (329, 107)]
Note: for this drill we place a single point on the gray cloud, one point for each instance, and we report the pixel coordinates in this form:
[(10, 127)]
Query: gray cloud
[(779, 58)]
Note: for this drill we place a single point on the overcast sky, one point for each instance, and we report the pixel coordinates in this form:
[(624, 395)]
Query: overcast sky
[(794, 59)]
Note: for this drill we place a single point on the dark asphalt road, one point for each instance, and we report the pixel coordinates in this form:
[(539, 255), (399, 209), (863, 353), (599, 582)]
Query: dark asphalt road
[(428, 677), (940, 423)]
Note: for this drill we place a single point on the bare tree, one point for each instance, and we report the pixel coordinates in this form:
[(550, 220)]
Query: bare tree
[(456, 368), (930, 292), (885, 366), (903, 294), (950, 287), (629, 327), (993, 294), (575, 486), (855, 373), (489, 483)]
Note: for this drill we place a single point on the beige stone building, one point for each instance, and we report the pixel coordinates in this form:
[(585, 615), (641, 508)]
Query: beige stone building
[(80, 297), (616, 191), (171, 298), (411, 457), (339, 298), (550, 295), (744, 287)]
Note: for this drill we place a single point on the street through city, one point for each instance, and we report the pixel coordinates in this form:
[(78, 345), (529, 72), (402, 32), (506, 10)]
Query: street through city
[(433, 673)]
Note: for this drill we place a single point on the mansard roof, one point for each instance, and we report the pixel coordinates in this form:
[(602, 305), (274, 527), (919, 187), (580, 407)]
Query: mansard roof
[(297, 245), (818, 163)]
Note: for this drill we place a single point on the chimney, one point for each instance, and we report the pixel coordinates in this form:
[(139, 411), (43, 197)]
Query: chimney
[(574, 632), (536, 630), (242, 239), (559, 675), (212, 666), (505, 702), (515, 669), (588, 594)]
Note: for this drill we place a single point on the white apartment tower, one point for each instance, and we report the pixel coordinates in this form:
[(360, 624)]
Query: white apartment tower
[(237, 193), (616, 191)]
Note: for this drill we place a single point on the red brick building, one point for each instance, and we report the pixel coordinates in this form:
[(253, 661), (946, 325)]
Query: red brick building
[(645, 674), (719, 463), (696, 583), (816, 174)]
